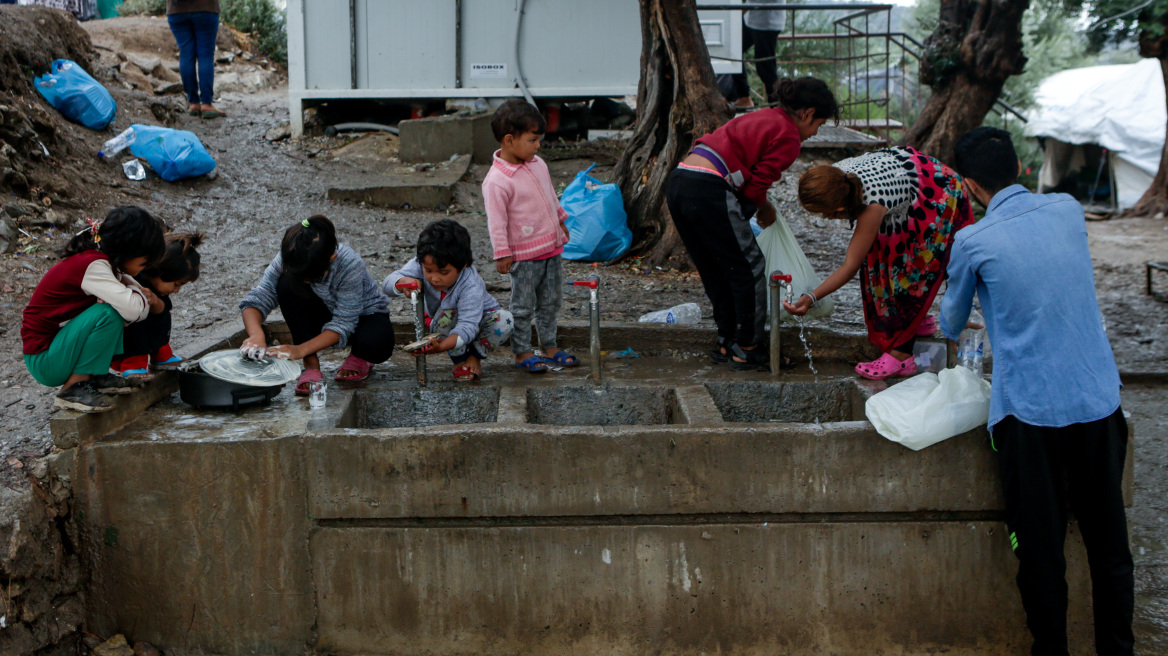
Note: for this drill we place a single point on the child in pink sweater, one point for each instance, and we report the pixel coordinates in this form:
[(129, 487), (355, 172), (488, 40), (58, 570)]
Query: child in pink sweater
[(527, 233)]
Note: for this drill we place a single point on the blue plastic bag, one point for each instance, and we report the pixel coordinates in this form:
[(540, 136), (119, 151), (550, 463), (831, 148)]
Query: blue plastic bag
[(596, 221), (173, 154), (74, 93)]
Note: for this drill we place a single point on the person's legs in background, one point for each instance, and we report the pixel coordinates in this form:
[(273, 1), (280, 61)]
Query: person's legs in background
[(764, 55), (206, 29), (184, 35)]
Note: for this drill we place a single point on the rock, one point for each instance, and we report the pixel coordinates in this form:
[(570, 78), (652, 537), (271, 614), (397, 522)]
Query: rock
[(115, 646), (14, 180), (8, 235), (145, 649), (163, 88), (165, 74), (224, 58), (279, 133), (145, 64)]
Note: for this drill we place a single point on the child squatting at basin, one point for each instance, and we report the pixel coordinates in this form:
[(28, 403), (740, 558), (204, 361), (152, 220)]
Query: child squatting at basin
[(73, 324), (465, 320)]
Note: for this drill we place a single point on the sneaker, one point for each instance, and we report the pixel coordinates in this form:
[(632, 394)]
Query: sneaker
[(753, 360), (115, 384), (83, 397)]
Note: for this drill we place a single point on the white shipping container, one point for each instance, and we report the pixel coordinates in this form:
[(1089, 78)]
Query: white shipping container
[(438, 49)]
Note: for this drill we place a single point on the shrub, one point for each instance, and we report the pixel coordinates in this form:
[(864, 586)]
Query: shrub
[(263, 21), (133, 7)]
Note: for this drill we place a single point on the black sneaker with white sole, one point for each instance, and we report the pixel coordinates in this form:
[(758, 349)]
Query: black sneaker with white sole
[(83, 397), (115, 384)]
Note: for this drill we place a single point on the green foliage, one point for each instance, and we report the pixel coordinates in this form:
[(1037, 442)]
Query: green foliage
[(136, 7), (263, 21), (1150, 21)]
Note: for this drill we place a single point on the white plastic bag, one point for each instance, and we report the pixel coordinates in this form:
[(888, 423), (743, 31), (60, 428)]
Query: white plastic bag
[(928, 408), (782, 253)]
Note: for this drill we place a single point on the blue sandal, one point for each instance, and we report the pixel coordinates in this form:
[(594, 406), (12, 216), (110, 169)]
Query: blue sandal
[(167, 365), (144, 373), (563, 359), (534, 364)]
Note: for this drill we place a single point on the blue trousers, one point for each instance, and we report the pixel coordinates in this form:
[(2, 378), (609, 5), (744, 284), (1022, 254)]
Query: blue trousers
[(195, 33)]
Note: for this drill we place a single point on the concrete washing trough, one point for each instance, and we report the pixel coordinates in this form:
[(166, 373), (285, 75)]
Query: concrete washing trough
[(679, 508)]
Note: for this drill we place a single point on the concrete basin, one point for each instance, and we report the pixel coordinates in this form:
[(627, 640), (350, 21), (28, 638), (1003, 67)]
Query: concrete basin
[(404, 408), (759, 402), (603, 406)]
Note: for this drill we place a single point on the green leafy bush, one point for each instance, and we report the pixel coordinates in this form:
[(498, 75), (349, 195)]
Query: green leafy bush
[(134, 7), (263, 21)]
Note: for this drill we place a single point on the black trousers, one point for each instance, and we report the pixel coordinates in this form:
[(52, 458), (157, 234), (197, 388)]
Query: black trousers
[(768, 71), (1043, 471), (715, 228), (145, 337), (306, 316)]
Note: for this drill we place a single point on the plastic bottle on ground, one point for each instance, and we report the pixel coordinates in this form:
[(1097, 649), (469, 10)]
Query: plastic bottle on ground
[(971, 345), (686, 313), (117, 144)]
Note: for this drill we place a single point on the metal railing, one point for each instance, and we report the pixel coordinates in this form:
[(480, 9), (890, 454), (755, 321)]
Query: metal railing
[(874, 71)]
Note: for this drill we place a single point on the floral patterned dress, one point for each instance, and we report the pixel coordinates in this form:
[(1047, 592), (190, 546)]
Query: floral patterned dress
[(927, 205)]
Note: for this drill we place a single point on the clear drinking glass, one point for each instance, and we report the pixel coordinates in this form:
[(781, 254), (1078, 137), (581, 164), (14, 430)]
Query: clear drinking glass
[(317, 394)]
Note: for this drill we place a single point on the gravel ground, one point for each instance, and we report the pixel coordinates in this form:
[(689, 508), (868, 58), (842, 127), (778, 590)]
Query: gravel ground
[(264, 187)]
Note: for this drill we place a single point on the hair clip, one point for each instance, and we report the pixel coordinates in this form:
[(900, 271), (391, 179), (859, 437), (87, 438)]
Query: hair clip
[(305, 223), (94, 227)]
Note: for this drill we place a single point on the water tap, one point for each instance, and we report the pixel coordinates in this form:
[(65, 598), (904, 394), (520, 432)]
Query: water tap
[(593, 285), (415, 291), (778, 280)]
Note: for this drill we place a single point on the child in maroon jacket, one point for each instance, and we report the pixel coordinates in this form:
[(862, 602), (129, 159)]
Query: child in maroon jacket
[(717, 188), (72, 326)]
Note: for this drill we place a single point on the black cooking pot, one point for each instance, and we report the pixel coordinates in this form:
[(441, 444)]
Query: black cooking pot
[(203, 391)]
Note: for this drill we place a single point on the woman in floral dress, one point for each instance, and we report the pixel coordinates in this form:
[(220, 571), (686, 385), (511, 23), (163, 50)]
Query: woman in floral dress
[(905, 207)]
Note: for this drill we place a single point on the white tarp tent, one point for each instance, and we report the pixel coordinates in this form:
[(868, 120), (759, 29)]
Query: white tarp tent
[(1120, 108)]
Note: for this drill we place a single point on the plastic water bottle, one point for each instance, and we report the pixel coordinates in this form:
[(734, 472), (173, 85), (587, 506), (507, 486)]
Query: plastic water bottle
[(117, 144), (686, 313), (971, 345)]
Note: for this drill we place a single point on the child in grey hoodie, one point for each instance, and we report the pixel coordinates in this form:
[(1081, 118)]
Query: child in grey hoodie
[(465, 321)]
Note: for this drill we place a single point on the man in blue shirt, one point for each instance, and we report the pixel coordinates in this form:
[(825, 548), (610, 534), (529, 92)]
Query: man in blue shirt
[(1055, 418)]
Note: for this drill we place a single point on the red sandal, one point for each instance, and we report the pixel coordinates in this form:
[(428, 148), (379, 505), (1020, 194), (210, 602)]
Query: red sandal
[(308, 376), (355, 364), (464, 374), (887, 366)]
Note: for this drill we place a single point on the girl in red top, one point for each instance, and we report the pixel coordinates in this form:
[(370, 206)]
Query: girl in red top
[(72, 326), (717, 188)]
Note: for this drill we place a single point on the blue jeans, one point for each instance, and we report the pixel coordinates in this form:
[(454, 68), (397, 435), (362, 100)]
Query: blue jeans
[(195, 33)]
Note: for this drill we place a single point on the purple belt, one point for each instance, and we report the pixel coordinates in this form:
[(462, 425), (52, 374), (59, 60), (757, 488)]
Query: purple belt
[(714, 158)]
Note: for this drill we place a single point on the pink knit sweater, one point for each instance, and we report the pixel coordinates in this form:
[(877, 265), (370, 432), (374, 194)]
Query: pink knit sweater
[(523, 213)]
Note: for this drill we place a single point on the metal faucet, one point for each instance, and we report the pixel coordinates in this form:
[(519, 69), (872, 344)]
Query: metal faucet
[(419, 326), (777, 281), (594, 325)]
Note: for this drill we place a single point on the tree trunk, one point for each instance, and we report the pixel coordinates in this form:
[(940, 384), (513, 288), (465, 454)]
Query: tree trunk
[(976, 47), (1155, 199), (677, 100)]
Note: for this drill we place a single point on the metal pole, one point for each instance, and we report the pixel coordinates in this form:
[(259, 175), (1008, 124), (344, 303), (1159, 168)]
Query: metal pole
[(457, 44), (353, 43), (777, 281), (594, 337), (419, 332)]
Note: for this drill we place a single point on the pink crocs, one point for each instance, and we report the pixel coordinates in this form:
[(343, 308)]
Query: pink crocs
[(887, 366)]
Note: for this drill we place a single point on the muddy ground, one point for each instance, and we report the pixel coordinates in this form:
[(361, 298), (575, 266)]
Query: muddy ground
[(264, 187)]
